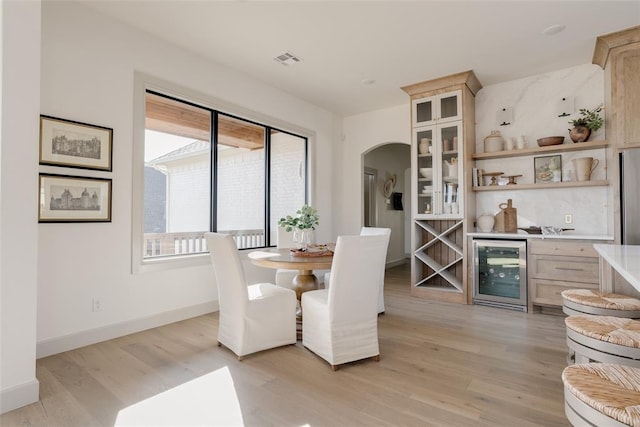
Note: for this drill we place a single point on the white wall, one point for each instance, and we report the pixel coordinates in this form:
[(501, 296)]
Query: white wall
[(88, 65), (534, 101), (361, 133), (19, 107), (388, 160)]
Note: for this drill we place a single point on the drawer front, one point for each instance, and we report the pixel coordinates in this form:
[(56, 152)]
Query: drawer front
[(570, 269), (562, 248), (548, 292)]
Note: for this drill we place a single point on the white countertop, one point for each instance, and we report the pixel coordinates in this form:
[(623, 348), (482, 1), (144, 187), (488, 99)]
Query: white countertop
[(523, 235), (625, 259)]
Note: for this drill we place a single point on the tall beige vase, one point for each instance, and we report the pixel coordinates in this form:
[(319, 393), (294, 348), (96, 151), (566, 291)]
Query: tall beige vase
[(583, 167)]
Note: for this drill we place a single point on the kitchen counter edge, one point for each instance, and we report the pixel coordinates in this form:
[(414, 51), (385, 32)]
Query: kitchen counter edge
[(524, 236), (624, 259)]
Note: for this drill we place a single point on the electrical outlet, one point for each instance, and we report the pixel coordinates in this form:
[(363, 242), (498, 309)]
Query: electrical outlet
[(96, 304), (568, 218)]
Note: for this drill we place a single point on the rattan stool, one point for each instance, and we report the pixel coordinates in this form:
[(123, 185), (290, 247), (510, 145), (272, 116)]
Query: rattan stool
[(604, 339), (576, 302), (602, 394)]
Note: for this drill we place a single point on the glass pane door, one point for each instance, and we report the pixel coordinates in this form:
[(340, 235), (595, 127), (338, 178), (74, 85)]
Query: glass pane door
[(500, 271), (449, 107), (424, 111), (450, 170), (425, 183)]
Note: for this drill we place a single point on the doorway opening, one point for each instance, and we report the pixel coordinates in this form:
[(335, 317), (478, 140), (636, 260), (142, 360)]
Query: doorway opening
[(370, 180)]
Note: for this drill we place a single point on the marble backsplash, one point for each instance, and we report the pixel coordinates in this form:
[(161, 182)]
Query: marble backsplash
[(535, 105)]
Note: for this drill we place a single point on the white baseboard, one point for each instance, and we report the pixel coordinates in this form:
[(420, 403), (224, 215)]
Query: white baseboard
[(18, 396), (64, 343)]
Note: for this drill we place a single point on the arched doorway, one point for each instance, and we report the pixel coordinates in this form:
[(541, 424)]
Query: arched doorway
[(385, 195)]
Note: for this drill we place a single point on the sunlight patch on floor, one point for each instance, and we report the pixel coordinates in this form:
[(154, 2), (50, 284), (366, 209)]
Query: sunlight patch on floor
[(209, 400)]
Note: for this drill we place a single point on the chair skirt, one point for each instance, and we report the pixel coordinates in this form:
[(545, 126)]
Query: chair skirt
[(335, 343)]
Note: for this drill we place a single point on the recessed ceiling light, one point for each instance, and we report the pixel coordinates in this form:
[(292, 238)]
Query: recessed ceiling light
[(368, 82), (554, 29)]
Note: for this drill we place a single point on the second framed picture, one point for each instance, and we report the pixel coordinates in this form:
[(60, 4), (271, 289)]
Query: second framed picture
[(63, 198), (547, 169), (74, 144)]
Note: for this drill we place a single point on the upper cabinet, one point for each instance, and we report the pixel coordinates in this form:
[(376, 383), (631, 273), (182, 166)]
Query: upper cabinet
[(436, 109), (438, 169), (619, 55)]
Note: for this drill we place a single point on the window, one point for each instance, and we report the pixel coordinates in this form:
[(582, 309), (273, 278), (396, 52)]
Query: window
[(254, 175)]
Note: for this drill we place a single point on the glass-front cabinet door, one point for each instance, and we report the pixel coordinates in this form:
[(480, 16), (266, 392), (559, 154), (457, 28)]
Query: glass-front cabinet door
[(450, 159), (424, 172), (438, 171), (437, 109)]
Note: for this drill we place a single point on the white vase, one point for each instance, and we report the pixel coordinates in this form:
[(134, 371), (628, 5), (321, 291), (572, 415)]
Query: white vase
[(485, 223), (303, 238), (423, 146)]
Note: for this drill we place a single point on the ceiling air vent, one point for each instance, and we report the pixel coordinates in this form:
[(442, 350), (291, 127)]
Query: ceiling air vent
[(287, 58)]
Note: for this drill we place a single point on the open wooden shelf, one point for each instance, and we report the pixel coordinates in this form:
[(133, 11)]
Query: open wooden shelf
[(548, 185), (561, 148)]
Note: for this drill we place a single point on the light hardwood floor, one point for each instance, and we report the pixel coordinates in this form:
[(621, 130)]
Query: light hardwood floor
[(441, 365)]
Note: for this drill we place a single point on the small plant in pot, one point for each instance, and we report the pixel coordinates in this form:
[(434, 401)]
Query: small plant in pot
[(589, 121)]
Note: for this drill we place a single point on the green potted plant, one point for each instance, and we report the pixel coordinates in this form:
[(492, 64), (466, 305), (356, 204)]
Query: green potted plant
[(589, 121), (302, 225)]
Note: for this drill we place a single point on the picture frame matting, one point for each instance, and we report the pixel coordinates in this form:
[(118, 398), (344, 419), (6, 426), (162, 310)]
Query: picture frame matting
[(75, 144), (65, 198)]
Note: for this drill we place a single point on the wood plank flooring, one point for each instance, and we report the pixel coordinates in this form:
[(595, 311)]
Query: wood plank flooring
[(441, 365)]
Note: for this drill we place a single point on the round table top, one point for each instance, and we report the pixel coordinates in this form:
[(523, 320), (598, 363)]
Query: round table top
[(282, 258)]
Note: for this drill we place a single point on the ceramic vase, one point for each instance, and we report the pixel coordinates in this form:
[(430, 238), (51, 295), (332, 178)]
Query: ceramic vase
[(579, 133), (485, 223)]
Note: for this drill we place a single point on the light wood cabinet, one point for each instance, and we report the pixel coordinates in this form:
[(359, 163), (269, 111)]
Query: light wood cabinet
[(556, 265), (619, 55), (442, 111)]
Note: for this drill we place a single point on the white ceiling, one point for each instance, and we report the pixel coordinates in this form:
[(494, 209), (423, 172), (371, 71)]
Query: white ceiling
[(395, 43)]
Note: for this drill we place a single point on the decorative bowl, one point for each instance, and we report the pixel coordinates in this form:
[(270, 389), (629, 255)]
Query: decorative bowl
[(550, 140), (426, 172)]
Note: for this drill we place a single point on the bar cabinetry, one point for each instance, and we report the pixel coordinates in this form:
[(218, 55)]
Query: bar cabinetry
[(556, 265), (443, 129)]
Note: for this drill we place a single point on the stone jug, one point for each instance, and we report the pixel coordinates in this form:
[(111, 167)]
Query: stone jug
[(583, 167), (485, 223)]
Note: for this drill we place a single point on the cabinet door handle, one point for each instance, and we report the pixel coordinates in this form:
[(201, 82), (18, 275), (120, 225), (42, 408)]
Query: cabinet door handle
[(569, 269)]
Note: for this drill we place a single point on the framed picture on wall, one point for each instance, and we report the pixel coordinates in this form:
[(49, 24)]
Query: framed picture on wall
[(74, 144), (547, 169), (63, 198)]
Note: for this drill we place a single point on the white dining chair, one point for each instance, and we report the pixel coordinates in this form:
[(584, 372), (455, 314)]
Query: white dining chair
[(252, 318), (340, 324), (371, 231)]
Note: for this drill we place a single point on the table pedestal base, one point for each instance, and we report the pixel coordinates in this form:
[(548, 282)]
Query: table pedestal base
[(304, 281)]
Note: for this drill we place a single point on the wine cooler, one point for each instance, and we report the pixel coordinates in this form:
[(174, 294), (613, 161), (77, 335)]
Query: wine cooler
[(500, 273)]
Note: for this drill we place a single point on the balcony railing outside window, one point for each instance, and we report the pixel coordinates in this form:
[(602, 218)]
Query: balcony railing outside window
[(170, 244)]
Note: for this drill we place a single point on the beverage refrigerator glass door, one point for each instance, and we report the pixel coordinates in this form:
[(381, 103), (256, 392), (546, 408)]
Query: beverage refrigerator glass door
[(500, 273)]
